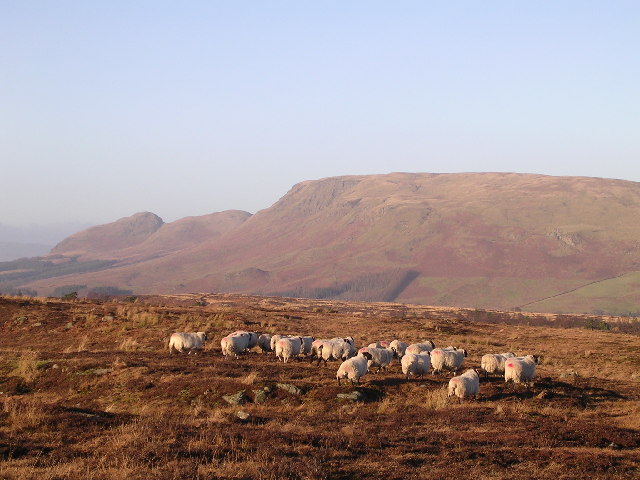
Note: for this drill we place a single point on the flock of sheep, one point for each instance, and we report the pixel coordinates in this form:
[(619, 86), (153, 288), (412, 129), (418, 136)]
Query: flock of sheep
[(417, 359)]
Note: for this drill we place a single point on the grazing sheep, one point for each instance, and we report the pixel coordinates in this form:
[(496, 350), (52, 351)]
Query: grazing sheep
[(420, 347), (307, 343), (185, 341), (274, 340), (264, 342), (334, 349), (287, 348), (398, 348), (465, 385), (353, 368), (520, 369), (493, 363), (379, 344), (234, 344), (380, 357), (449, 358), (253, 337), (416, 364)]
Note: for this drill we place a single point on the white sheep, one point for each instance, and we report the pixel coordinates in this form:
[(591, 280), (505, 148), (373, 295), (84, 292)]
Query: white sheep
[(398, 347), (307, 343), (493, 363), (420, 347), (264, 342), (335, 349), (380, 357), (288, 347), (520, 369), (449, 358), (379, 344), (186, 341), (353, 368), (253, 337), (234, 344), (416, 364), (465, 385)]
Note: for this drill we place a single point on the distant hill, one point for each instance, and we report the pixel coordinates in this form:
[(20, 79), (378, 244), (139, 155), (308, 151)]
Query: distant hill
[(485, 240)]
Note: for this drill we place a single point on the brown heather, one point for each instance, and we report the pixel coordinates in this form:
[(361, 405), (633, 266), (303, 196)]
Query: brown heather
[(89, 391)]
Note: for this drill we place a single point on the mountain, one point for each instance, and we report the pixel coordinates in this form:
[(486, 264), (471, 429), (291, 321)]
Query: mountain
[(485, 240)]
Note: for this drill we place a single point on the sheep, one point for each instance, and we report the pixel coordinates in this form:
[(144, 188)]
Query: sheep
[(253, 337), (287, 348), (465, 385), (336, 349), (354, 368), (520, 369), (185, 341), (379, 344), (274, 340), (493, 363), (264, 342), (307, 343), (449, 358), (420, 347), (398, 347), (416, 364), (234, 344), (380, 357)]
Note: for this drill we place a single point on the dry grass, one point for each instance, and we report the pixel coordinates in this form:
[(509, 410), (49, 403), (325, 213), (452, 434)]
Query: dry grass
[(138, 412), (27, 366)]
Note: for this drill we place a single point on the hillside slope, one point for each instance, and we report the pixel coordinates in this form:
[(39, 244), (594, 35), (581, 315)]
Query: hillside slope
[(489, 240)]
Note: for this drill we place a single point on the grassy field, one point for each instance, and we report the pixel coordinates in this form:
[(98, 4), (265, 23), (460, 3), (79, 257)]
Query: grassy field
[(89, 391)]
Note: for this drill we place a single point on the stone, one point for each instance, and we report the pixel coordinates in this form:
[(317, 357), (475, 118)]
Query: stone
[(237, 398), (242, 415), (354, 396), (260, 396), (289, 388)]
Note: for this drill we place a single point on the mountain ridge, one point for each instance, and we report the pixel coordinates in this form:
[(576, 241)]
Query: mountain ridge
[(488, 240)]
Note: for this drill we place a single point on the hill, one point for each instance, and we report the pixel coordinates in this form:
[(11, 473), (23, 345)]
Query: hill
[(486, 240), (89, 390)]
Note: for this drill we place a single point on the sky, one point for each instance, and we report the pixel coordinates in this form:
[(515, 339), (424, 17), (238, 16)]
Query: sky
[(189, 108)]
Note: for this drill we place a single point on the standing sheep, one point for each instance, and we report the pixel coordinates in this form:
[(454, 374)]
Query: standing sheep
[(353, 368), (287, 348), (449, 358), (420, 347), (264, 342), (398, 347), (234, 344), (465, 385), (253, 337), (334, 349), (416, 364), (380, 357), (520, 369), (493, 363), (186, 341)]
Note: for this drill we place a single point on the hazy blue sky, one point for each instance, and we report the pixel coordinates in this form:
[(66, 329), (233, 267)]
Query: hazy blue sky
[(187, 108)]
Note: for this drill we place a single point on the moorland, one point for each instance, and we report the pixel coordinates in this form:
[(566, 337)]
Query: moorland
[(88, 390)]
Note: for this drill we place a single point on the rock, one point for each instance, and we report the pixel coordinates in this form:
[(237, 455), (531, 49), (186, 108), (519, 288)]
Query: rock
[(242, 415), (289, 388), (237, 398), (354, 396), (260, 396), (37, 324), (572, 373), (102, 371)]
